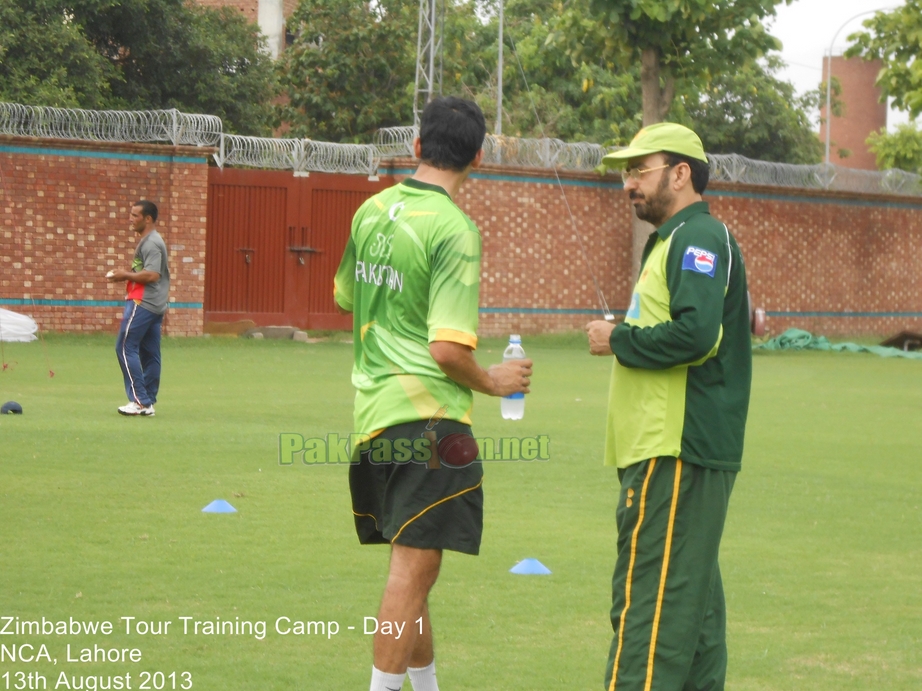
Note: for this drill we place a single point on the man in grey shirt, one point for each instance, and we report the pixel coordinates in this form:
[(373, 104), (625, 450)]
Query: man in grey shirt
[(148, 294)]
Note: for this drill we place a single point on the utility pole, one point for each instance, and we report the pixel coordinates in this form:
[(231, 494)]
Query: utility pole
[(428, 46), (498, 129)]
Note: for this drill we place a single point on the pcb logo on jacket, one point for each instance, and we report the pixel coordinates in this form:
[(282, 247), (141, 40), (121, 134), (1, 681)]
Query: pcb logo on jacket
[(700, 261)]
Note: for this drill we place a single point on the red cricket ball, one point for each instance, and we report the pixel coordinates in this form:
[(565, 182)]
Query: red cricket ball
[(458, 449)]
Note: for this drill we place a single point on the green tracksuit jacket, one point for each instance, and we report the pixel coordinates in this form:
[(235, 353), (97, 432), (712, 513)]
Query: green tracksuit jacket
[(680, 384)]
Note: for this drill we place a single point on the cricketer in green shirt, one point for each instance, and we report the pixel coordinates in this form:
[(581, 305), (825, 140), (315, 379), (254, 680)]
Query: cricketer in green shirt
[(410, 274), (680, 383), (677, 414)]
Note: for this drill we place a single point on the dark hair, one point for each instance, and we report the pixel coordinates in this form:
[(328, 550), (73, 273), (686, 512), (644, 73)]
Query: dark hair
[(700, 171), (147, 209), (451, 132)]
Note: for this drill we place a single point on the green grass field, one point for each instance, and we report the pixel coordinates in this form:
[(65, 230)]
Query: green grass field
[(100, 518)]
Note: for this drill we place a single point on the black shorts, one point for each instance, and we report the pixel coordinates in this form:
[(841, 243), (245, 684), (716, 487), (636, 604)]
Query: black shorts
[(408, 503)]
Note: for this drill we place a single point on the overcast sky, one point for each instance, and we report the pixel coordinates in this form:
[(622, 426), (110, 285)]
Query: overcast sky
[(807, 27)]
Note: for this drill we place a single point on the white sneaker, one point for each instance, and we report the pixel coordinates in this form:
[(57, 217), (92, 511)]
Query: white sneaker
[(135, 409)]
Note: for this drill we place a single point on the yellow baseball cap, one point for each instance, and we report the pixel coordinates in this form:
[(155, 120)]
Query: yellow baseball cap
[(663, 136)]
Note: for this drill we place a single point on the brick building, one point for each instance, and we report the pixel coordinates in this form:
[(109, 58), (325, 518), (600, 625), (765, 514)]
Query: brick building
[(864, 112), (269, 14)]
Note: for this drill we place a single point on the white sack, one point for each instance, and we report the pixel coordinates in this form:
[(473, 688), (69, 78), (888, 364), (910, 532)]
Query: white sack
[(16, 327)]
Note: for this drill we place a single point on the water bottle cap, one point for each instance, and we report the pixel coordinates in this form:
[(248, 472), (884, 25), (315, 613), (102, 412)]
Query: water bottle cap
[(515, 338)]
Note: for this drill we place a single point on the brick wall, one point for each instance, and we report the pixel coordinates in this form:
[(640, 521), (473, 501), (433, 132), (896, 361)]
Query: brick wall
[(832, 263), (534, 275), (63, 224), (249, 8)]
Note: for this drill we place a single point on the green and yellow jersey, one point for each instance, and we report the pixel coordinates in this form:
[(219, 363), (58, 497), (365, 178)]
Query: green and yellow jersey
[(681, 380), (411, 275)]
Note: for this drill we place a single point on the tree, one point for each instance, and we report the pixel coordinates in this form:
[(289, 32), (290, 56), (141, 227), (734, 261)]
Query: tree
[(747, 110), (675, 42), (550, 94), (680, 45), (177, 54), (138, 54), (752, 113), (350, 70), (46, 60), (896, 39), (901, 149)]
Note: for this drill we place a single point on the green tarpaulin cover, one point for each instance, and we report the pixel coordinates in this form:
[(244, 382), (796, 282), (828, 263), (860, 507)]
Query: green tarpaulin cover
[(797, 339)]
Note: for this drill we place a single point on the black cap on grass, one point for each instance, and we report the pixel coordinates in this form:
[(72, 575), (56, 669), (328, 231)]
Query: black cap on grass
[(11, 408)]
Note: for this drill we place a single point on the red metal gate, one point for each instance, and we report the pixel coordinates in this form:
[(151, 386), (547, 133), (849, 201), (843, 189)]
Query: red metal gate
[(274, 242)]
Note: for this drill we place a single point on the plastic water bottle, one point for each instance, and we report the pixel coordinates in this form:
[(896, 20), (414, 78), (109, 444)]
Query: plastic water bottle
[(513, 407)]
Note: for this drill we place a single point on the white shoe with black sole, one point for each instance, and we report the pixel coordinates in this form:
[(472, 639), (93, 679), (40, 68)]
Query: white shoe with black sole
[(135, 409)]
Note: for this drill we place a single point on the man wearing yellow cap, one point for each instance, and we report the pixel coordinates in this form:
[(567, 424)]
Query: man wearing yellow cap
[(677, 415)]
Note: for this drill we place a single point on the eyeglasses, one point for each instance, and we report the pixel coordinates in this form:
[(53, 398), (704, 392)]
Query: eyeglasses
[(637, 173)]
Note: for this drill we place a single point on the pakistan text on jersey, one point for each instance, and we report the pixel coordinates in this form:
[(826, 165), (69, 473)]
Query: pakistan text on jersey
[(377, 274)]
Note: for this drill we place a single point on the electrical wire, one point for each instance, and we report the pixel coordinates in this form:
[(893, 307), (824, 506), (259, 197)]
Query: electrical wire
[(598, 289)]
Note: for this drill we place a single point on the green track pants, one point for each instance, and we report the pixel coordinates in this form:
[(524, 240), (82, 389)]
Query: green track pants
[(668, 611)]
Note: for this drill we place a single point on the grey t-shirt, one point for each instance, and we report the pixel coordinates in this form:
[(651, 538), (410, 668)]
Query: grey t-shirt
[(151, 255)]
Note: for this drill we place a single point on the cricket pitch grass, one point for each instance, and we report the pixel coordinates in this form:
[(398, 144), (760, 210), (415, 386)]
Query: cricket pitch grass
[(101, 521)]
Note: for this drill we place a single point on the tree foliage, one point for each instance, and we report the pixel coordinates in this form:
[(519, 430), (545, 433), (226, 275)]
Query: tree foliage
[(752, 113), (45, 59), (747, 110), (351, 68), (676, 43), (895, 38), (177, 54), (901, 149), (351, 72), (137, 54), (548, 94)]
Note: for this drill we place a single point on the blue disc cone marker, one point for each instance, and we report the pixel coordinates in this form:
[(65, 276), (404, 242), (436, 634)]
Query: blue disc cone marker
[(530, 567), (219, 506)]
